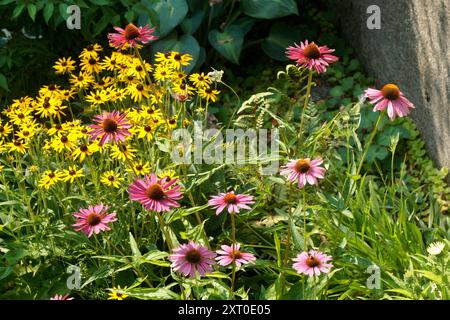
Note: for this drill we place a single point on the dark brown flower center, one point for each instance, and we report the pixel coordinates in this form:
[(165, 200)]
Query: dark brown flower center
[(64, 139), (52, 87), (109, 125), (26, 133), (302, 166), (139, 167), (140, 87), (193, 256), (312, 51), (63, 63), (230, 198), (390, 91), (111, 178), (312, 262), (72, 172), (236, 254), (138, 68), (172, 121), (131, 32), (92, 61), (208, 91), (83, 148), (90, 47), (2, 128), (177, 57), (148, 129), (20, 116), (155, 192), (17, 143), (51, 175), (93, 219)]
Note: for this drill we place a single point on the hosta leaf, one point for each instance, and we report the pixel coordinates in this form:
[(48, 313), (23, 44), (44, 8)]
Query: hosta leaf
[(269, 9), (229, 42)]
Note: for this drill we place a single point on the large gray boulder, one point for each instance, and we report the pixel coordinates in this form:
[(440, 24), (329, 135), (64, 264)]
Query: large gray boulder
[(411, 50)]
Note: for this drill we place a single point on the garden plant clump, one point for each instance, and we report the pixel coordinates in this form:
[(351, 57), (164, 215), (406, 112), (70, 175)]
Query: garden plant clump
[(103, 196)]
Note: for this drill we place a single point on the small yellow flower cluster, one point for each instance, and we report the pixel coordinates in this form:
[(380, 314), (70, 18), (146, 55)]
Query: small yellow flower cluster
[(52, 131)]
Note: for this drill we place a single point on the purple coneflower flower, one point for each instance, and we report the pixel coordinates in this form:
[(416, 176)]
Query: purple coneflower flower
[(233, 201), (130, 36), (304, 171), (312, 263), (191, 258), (94, 219), (156, 195), (228, 254), (61, 297), (312, 56), (112, 126), (389, 97)]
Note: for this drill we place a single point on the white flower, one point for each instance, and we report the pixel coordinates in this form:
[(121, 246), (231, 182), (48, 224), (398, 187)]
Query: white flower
[(436, 248), (215, 75)]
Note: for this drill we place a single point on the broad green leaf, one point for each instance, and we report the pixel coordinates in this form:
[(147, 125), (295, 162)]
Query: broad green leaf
[(134, 247), (269, 9), (152, 294), (282, 36), (48, 11), (18, 10), (32, 11), (170, 14), (100, 2), (191, 24), (229, 42)]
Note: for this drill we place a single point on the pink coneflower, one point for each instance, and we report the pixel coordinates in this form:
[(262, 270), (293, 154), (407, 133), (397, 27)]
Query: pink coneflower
[(304, 171), (61, 297), (230, 200), (391, 97), (130, 36), (112, 126), (312, 263), (94, 219), (156, 195), (191, 257), (228, 254), (312, 56)]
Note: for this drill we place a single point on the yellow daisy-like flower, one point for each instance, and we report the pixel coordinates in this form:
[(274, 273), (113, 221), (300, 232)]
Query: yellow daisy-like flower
[(98, 97), (55, 129), (83, 151), (172, 123), (150, 112), (71, 174), (162, 73), (49, 91), (117, 294), (5, 129), (139, 167), (91, 65), (49, 178), (17, 146), (117, 94), (179, 60), (168, 174), (182, 88), (110, 63), (82, 80), (25, 134), (200, 80), (66, 94), (64, 65), (145, 131), (21, 103), (111, 179), (122, 152), (20, 117), (34, 168), (64, 142), (163, 58), (138, 91), (91, 51), (103, 83), (138, 71), (208, 94)]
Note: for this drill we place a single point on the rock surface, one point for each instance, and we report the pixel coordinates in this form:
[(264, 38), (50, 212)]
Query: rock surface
[(411, 50)]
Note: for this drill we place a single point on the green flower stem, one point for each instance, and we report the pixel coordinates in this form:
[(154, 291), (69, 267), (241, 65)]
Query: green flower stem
[(233, 243), (369, 142), (305, 104)]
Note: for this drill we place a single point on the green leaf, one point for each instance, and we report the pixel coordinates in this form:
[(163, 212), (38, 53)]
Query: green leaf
[(100, 2), (48, 11), (152, 294), (170, 14), (32, 11), (191, 24), (3, 82), (277, 248), (281, 36), (228, 43), (134, 247), (269, 9), (18, 10), (337, 92)]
